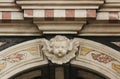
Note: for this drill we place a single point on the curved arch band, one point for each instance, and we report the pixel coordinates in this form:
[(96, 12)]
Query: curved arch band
[(89, 54)]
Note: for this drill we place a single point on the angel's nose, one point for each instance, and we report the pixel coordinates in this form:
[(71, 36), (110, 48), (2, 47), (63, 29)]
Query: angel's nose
[(60, 49)]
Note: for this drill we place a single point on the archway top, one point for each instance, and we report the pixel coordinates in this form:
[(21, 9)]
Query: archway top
[(21, 57), (22, 45), (81, 42), (81, 52)]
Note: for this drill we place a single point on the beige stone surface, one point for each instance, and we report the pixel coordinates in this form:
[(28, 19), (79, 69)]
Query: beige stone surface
[(95, 56)]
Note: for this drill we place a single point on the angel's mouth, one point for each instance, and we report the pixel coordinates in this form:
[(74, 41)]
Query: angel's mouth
[(60, 54)]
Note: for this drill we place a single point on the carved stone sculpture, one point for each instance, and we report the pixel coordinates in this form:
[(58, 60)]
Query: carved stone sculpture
[(60, 49)]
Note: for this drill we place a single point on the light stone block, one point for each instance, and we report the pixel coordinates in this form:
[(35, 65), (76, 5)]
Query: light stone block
[(38, 13), (7, 0), (17, 15), (119, 15), (80, 13), (0, 15), (59, 13), (103, 16)]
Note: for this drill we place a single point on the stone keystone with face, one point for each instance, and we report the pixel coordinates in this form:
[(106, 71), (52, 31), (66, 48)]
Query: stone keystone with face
[(60, 49)]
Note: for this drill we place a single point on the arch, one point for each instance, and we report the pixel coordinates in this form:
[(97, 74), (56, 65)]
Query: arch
[(21, 57), (91, 55), (99, 58)]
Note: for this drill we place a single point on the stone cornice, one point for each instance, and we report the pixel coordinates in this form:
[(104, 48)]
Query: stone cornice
[(98, 5), (101, 29), (60, 27), (20, 28), (79, 12), (62, 2)]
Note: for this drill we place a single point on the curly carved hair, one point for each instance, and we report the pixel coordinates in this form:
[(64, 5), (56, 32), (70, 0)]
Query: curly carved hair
[(59, 39)]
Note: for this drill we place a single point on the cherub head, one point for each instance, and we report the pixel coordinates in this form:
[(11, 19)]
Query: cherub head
[(60, 49), (59, 46)]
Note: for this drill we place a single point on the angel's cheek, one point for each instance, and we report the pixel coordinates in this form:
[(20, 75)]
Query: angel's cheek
[(64, 51), (55, 51)]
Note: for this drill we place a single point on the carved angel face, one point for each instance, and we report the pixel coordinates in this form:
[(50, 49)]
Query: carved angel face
[(60, 48)]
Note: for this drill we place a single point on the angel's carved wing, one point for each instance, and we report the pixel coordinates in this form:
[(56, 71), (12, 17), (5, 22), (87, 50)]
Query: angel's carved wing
[(74, 44), (46, 48)]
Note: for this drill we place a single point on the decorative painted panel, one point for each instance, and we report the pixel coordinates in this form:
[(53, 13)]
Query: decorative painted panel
[(60, 50), (21, 56)]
